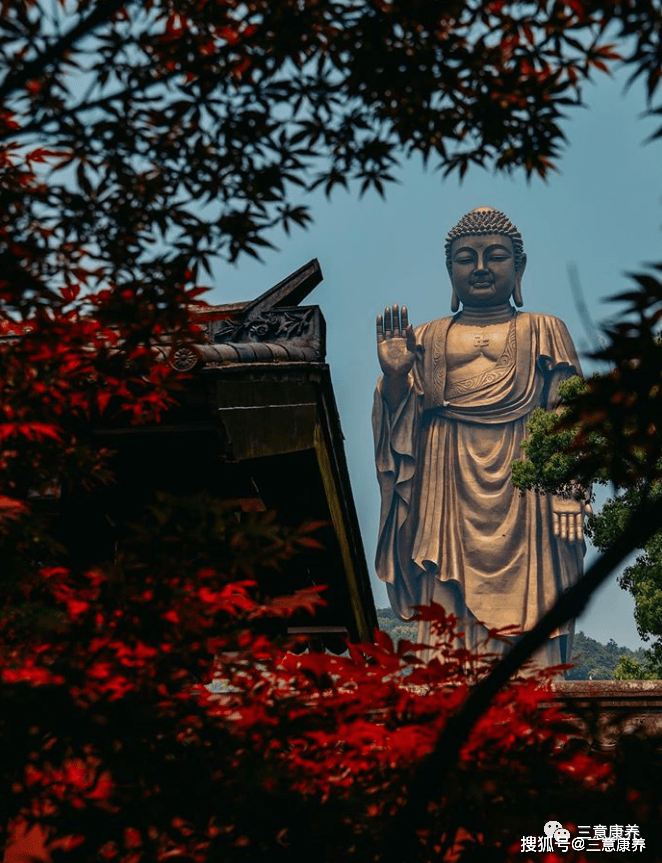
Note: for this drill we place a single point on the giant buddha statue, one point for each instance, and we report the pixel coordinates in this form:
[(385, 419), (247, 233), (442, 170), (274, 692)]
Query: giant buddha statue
[(450, 413)]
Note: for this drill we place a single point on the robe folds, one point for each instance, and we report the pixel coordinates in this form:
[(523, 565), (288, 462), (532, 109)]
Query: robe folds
[(449, 511)]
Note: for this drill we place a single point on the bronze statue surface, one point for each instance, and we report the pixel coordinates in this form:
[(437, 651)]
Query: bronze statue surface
[(450, 412)]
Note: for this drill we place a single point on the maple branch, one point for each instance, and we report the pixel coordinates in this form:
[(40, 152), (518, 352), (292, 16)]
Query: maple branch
[(103, 102), (432, 773), (55, 52)]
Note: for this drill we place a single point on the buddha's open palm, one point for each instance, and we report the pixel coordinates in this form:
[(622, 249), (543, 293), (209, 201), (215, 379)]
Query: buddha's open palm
[(396, 344)]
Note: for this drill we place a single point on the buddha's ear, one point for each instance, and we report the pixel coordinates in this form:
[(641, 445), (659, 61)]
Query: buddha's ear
[(517, 292), (455, 300), (517, 295)]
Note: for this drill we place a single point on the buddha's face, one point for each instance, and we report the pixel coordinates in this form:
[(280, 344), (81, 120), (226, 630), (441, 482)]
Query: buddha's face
[(483, 270)]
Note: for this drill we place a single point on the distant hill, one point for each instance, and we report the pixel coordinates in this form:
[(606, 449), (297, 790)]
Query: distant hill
[(593, 660), (596, 661)]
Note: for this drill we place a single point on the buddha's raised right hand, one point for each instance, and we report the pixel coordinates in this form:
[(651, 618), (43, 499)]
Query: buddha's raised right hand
[(396, 343)]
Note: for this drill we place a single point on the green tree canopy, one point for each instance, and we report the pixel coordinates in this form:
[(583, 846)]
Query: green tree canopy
[(555, 454)]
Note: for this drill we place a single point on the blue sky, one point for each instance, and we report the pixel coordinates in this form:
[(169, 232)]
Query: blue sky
[(601, 213)]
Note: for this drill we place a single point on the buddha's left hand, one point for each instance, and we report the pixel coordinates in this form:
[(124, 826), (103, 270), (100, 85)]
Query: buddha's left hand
[(568, 515)]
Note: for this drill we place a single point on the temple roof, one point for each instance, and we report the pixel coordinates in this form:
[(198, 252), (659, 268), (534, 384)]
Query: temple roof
[(258, 425)]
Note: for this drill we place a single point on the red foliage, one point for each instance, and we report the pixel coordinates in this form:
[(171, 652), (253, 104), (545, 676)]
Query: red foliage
[(333, 737), (170, 766)]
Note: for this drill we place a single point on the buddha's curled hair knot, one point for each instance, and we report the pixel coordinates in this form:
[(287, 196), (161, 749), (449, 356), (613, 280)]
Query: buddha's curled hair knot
[(482, 221)]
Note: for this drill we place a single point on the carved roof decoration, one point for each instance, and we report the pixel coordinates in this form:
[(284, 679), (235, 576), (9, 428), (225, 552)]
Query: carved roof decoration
[(269, 329)]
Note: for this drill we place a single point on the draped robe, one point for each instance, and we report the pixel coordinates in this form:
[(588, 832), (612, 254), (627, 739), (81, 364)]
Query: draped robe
[(449, 511)]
